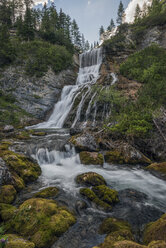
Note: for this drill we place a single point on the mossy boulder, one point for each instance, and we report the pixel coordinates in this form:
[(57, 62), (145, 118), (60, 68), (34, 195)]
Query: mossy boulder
[(102, 196), (126, 154), (47, 193), (23, 166), (7, 211), (127, 244), (155, 230), (90, 179), (158, 167), (15, 241), (7, 194), (110, 225), (42, 221), (157, 244), (94, 158), (117, 231)]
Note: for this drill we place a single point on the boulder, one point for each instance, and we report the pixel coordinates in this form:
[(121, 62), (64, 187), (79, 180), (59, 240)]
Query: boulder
[(8, 129), (7, 211), (91, 158), (85, 142), (5, 175), (42, 221), (90, 179), (15, 241), (158, 167), (102, 196), (7, 194), (155, 231), (47, 193), (126, 154)]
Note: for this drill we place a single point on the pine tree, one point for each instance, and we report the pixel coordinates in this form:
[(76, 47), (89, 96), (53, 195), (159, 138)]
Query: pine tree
[(144, 10), (101, 31), (83, 42), (120, 13), (137, 13), (87, 46), (45, 23), (111, 26), (76, 37)]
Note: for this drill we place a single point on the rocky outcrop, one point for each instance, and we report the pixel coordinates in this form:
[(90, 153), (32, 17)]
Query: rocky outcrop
[(36, 96)]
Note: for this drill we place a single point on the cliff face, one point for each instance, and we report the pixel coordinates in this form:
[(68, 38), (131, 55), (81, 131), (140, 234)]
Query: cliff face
[(36, 96)]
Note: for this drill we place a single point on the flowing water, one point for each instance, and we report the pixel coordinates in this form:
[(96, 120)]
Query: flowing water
[(142, 195)]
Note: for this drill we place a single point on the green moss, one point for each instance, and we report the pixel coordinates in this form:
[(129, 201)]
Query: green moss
[(127, 244), (110, 225), (41, 220), (47, 193), (102, 196), (157, 244), (15, 241), (7, 211), (21, 165), (155, 230), (90, 179), (88, 158), (114, 157), (7, 194), (159, 167)]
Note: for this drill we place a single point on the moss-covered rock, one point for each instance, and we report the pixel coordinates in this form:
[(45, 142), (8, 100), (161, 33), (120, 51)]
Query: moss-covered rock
[(23, 166), (7, 194), (159, 167), (47, 193), (88, 158), (85, 142), (15, 241), (102, 196), (127, 244), (126, 154), (90, 179), (41, 220), (110, 225), (157, 244), (7, 211), (155, 230)]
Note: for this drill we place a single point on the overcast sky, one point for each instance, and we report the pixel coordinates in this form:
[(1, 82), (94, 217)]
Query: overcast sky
[(90, 14)]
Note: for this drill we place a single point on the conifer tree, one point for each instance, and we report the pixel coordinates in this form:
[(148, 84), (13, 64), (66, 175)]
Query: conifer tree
[(87, 46), (76, 37), (111, 26), (137, 13), (101, 31), (83, 42), (120, 13)]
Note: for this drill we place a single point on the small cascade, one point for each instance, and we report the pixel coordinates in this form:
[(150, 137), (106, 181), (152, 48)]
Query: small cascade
[(90, 63)]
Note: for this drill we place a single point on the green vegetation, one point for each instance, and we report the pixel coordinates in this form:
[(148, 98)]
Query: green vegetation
[(41, 55), (149, 67), (9, 112)]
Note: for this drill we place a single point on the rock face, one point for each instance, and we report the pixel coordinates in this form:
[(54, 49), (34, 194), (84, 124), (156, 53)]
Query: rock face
[(36, 95)]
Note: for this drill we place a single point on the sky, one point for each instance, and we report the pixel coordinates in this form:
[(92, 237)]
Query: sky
[(90, 14)]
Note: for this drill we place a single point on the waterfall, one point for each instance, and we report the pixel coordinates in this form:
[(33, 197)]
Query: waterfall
[(90, 63)]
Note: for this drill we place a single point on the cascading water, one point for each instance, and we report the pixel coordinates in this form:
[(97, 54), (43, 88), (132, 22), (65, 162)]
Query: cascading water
[(90, 63)]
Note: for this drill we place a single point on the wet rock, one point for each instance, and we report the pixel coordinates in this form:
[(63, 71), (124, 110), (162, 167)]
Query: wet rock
[(85, 142), (126, 154), (42, 221), (90, 179), (94, 158), (102, 196), (23, 166), (133, 208), (47, 193), (8, 129), (158, 167), (155, 230), (15, 241), (7, 194), (5, 175)]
